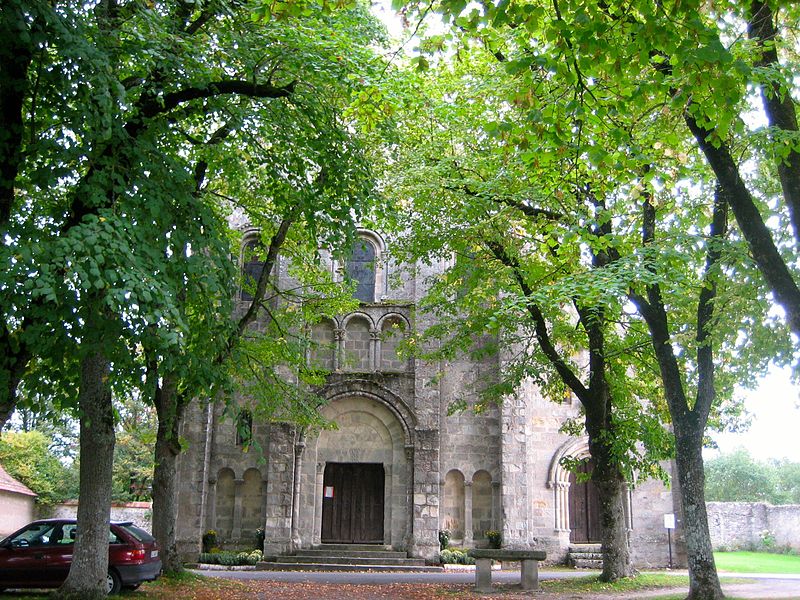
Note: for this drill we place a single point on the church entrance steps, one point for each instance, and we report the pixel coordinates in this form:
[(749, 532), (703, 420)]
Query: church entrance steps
[(347, 557), (585, 556), (354, 553), (273, 566)]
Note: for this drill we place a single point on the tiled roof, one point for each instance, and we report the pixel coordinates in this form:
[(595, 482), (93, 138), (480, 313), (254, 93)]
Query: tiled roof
[(9, 484)]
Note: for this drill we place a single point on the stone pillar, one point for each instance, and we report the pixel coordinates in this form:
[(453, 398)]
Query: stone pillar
[(278, 522), (562, 505), (236, 532), (483, 575), (516, 501), (387, 503), (426, 495), (468, 513), (208, 495), (211, 505), (338, 348), (318, 491), (374, 349), (409, 537), (530, 574), (299, 448), (496, 516)]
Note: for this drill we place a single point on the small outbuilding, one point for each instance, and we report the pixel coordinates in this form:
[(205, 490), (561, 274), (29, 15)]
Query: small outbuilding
[(17, 504)]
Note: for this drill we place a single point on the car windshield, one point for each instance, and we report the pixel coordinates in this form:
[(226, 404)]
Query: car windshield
[(139, 534)]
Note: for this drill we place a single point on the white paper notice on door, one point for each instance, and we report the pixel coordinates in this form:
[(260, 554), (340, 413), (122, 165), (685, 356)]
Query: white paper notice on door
[(328, 491)]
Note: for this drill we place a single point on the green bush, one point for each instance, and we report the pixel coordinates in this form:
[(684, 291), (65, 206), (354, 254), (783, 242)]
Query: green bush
[(231, 559), (455, 557)]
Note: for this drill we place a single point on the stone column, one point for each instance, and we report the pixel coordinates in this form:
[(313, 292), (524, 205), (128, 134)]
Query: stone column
[(207, 483), (299, 447), (211, 505), (236, 533), (374, 349), (496, 489), (318, 491), (338, 348), (468, 513), (562, 505)]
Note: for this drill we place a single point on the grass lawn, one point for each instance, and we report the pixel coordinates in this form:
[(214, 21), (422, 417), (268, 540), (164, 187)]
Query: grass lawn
[(756, 562), (590, 583)]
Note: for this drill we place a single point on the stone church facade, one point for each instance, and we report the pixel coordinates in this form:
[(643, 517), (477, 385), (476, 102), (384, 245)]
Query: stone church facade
[(397, 469)]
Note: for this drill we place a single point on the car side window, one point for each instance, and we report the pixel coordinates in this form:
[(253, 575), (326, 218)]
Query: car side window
[(113, 538), (68, 533), (37, 534)]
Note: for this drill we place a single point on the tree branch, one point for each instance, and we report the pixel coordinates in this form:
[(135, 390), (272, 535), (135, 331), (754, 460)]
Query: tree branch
[(540, 324), (706, 392), (778, 105), (765, 253)]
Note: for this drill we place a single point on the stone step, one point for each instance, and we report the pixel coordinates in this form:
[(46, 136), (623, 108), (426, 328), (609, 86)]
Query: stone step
[(352, 547), (355, 553), (576, 548), (582, 563), (351, 560), (276, 566), (587, 555)]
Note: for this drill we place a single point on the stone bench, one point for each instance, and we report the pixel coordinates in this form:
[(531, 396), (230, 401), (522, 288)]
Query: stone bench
[(483, 566)]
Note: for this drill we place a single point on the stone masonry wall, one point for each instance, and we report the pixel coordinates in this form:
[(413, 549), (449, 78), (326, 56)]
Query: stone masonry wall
[(139, 513), (737, 525)]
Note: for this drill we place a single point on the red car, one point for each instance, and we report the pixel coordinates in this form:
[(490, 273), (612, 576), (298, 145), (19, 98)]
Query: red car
[(39, 555)]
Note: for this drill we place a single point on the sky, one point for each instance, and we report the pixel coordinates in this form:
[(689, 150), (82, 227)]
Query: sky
[(775, 428)]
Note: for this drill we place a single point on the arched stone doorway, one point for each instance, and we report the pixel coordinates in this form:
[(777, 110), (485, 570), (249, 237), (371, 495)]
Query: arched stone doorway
[(584, 507), (357, 478), (576, 503)]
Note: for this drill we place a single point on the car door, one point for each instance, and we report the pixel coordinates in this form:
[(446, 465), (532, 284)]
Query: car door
[(60, 553), (24, 556)]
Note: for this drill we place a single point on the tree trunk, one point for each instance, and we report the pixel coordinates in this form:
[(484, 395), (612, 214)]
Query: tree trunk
[(165, 507), (610, 482), (703, 579), (613, 529), (87, 575)]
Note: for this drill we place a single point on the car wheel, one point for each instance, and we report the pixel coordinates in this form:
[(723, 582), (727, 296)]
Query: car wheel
[(114, 582)]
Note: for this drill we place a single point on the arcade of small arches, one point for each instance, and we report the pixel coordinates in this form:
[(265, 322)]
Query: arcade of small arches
[(359, 343), (470, 508), (236, 506)]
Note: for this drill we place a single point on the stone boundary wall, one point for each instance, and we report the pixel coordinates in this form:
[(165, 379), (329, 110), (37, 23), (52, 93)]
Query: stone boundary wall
[(741, 525), (140, 513)]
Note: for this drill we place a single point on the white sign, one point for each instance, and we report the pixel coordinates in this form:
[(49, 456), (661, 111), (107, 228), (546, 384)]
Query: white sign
[(328, 491), (669, 521)]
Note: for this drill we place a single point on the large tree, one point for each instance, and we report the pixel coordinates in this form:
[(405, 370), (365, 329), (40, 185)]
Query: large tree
[(527, 239), (102, 224), (651, 84)]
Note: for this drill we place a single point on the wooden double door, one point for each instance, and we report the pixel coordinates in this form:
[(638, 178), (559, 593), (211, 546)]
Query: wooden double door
[(352, 503), (584, 508)]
